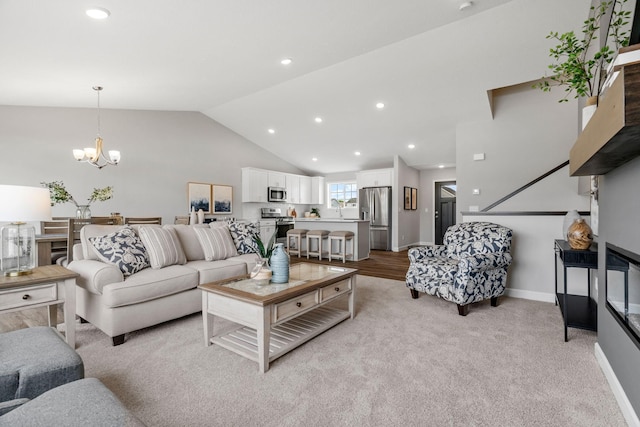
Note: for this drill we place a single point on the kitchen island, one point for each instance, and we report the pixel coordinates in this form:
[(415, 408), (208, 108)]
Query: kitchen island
[(359, 228)]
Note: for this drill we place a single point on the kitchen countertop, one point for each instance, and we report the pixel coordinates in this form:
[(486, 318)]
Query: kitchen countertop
[(330, 220)]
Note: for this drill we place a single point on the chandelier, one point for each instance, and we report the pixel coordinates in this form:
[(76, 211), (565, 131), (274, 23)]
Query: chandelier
[(94, 155)]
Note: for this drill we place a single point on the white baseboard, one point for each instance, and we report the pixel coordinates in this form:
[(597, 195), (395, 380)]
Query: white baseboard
[(532, 295), (623, 402)]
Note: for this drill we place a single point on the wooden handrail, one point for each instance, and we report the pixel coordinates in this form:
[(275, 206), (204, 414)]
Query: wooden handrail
[(524, 187)]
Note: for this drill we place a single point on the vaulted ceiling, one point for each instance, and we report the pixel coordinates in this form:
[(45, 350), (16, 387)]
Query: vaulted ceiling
[(429, 62)]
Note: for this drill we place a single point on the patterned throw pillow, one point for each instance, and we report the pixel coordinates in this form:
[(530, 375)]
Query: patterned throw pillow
[(123, 249), (216, 243), (243, 234), (163, 246)]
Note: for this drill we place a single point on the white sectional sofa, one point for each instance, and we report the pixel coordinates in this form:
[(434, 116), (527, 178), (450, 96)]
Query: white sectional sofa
[(116, 291)]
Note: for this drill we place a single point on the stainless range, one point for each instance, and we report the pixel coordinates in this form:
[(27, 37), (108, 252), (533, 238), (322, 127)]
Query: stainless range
[(284, 223)]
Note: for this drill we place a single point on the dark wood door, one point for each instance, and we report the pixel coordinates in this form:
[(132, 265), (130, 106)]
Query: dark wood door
[(445, 212)]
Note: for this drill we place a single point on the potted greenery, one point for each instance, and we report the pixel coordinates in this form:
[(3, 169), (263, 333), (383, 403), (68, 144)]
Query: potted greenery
[(578, 65), (315, 212), (265, 251), (59, 194)]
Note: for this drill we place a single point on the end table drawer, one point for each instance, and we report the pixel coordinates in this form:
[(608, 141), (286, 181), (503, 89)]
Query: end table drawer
[(26, 296), (334, 290), (294, 306)]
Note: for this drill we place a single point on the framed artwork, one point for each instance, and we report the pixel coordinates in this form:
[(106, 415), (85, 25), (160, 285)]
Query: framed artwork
[(407, 198), (199, 196), (222, 199), (414, 199)]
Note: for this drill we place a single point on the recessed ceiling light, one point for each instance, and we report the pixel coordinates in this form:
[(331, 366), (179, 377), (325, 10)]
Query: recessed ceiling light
[(441, 166), (271, 131), (466, 5), (411, 146), (318, 119), (98, 13), (380, 105), (286, 61), (357, 153), (315, 159)]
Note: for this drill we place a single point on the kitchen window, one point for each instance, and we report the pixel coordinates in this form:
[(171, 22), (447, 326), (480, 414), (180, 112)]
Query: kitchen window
[(342, 195)]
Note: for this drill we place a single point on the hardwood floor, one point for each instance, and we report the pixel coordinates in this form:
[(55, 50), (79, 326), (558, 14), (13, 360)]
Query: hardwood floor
[(384, 264), (388, 265)]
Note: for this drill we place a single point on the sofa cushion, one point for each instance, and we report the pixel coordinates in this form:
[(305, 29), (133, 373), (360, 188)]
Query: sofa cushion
[(216, 243), (218, 270), (163, 246), (94, 230), (150, 284), (189, 241), (123, 249), (243, 235)]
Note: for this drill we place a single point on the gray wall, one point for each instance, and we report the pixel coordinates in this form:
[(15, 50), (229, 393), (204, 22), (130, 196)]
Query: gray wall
[(406, 223), (161, 153), (619, 220)]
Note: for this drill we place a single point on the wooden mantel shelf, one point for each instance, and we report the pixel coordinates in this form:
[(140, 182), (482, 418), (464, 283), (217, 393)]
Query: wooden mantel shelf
[(612, 136)]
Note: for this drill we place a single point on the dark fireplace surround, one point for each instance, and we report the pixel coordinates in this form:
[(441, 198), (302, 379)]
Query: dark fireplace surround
[(623, 289)]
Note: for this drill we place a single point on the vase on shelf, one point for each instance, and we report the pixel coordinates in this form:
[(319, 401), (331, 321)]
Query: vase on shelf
[(279, 264), (200, 216), (83, 212), (193, 218), (580, 235)]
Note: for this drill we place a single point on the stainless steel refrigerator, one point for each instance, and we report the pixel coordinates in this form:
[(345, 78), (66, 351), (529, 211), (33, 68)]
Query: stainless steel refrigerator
[(375, 205)]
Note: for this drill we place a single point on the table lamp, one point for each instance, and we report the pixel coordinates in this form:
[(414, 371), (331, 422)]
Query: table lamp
[(19, 204)]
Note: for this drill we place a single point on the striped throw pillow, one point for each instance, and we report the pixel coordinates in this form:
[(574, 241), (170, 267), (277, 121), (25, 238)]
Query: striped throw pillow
[(163, 246), (216, 243)]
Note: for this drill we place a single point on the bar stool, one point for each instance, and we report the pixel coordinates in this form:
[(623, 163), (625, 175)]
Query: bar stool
[(318, 235), (342, 237), (297, 234)]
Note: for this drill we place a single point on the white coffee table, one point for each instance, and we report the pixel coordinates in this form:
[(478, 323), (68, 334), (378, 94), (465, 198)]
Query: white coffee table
[(275, 319)]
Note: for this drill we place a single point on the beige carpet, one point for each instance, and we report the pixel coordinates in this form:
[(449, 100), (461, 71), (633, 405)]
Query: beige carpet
[(399, 362)]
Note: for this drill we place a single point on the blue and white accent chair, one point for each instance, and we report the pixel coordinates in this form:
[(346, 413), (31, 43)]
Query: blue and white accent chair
[(470, 266)]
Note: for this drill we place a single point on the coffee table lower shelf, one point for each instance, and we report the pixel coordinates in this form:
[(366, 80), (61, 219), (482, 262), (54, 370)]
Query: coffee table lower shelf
[(283, 337)]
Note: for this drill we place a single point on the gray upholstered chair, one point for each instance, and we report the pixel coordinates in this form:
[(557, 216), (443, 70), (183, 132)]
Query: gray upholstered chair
[(470, 265), (81, 403), (33, 361)]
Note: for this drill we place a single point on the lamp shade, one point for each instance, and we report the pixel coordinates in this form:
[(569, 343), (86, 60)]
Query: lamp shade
[(20, 203)]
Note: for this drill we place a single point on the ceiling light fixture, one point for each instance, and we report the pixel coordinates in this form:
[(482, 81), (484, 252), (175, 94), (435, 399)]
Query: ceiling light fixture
[(271, 131), (357, 153), (98, 13), (466, 5), (315, 159), (94, 155), (318, 119), (441, 166), (380, 105), (411, 146), (286, 61)]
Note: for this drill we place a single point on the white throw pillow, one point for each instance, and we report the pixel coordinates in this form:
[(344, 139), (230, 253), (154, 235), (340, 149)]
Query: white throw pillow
[(216, 243), (163, 246)]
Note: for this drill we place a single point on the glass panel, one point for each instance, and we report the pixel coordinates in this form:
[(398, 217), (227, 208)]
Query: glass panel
[(623, 289)]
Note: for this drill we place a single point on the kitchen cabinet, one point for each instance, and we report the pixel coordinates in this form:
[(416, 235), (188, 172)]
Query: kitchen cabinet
[(276, 179), (375, 178), (254, 185), (293, 188), (305, 190), (267, 228), (317, 190)]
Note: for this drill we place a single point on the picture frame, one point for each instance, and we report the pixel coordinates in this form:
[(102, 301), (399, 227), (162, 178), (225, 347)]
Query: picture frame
[(407, 198), (414, 199), (222, 199), (199, 196)]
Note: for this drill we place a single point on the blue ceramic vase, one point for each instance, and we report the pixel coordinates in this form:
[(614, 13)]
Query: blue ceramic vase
[(279, 264)]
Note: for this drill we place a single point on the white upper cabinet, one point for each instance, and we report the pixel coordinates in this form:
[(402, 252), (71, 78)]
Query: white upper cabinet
[(277, 179), (254, 185), (375, 178), (293, 188), (305, 190), (317, 190)]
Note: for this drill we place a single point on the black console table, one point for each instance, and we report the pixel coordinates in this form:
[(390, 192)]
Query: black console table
[(578, 311)]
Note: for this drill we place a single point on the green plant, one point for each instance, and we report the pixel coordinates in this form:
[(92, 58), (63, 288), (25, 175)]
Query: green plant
[(265, 251), (59, 193), (315, 211), (579, 66)]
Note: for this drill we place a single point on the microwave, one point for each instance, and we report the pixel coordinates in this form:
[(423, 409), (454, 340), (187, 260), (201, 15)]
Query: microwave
[(277, 194)]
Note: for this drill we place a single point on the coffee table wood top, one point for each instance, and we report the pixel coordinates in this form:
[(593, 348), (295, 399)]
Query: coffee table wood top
[(303, 278)]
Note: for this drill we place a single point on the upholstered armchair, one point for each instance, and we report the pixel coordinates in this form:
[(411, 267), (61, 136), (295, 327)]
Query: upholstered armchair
[(470, 265)]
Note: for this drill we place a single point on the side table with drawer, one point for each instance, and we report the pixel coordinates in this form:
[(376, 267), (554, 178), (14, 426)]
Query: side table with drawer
[(47, 286)]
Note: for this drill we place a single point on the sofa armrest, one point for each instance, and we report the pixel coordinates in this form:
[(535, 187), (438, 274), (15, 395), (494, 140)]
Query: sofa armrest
[(420, 253), (10, 405), (481, 262), (95, 275)]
